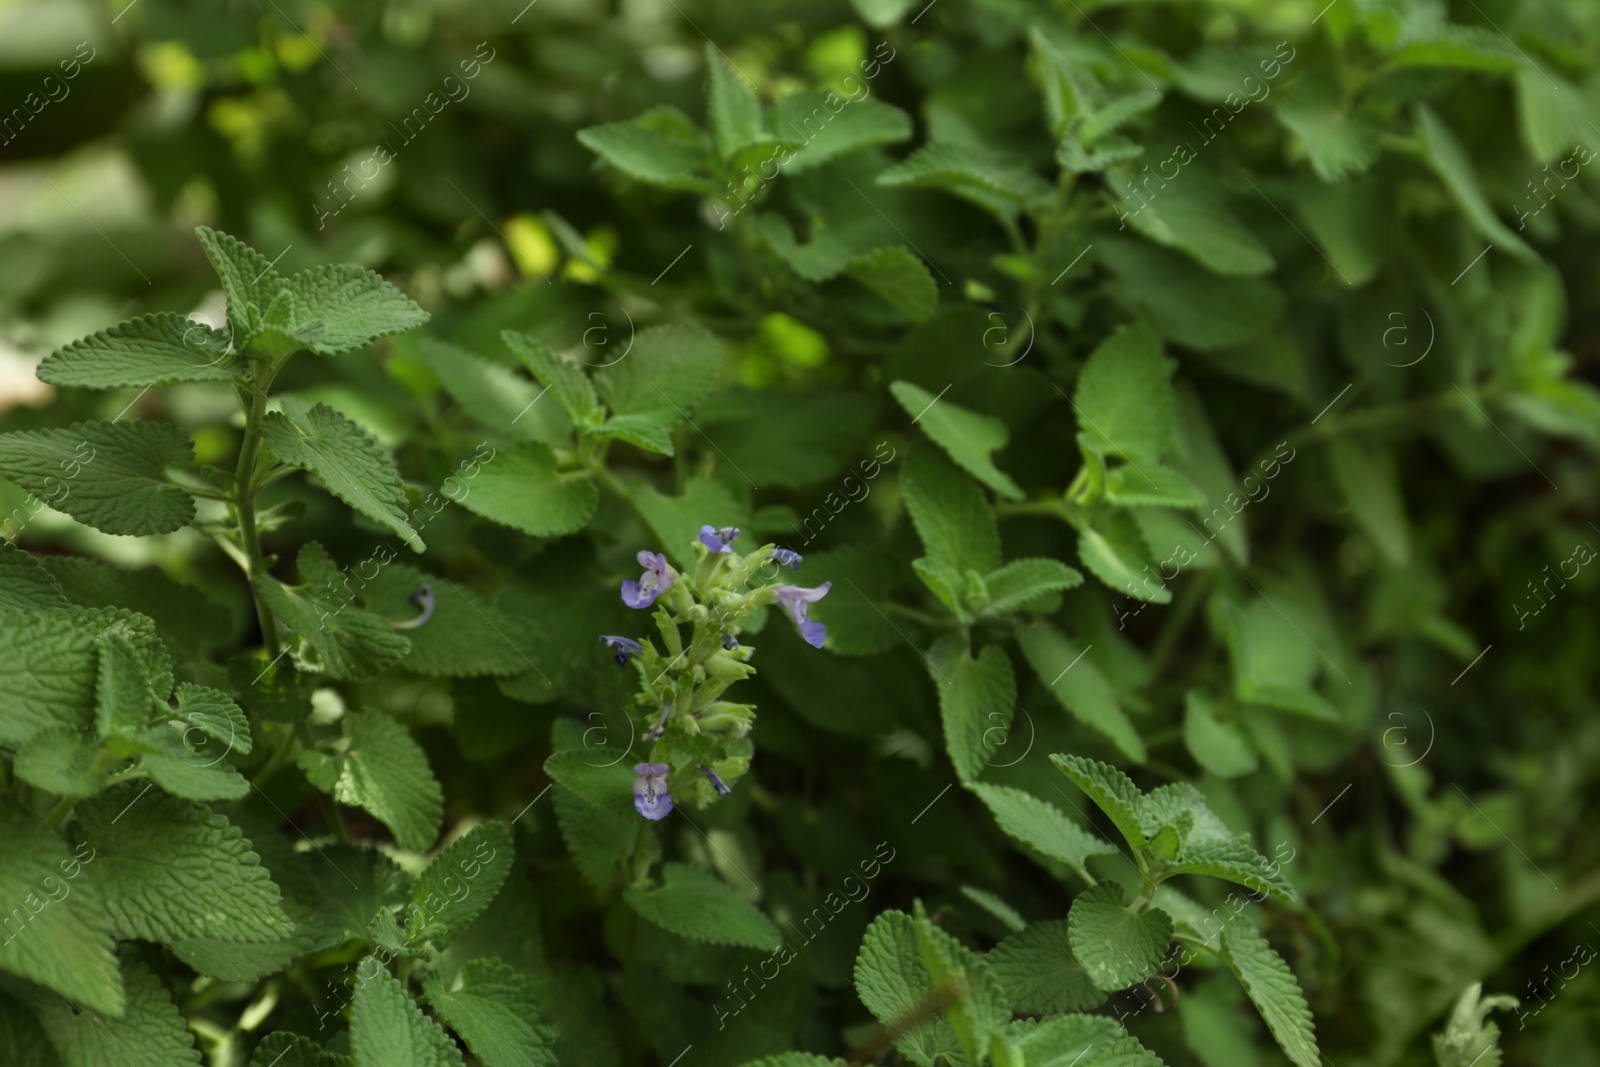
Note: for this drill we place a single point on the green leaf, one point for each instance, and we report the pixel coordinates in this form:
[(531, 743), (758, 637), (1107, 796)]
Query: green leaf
[(597, 775), (1078, 685), (216, 715), (1150, 485), (347, 460), (150, 1032), (669, 371), (248, 279), (1038, 974), (1080, 1041), (1435, 43), (342, 307), (694, 904), (346, 642), (732, 105), (495, 395), (1124, 400), (976, 702), (168, 869), (1186, 302), (599, 840), (126, 686), (1371, 487), (494, 1009), (1110, 789), (387, 1029), (825, 133), (983, 176), (651, 432), (1193, 217), (1273, 989), (283, 1049), (1117, 947), (1220, 748), (56, 931), (1274, 661), (853, 609), (459, 883), (109, 475), (966, 436), (894, 984), (184, 616), (979, 1011), (954, 521), (676, 520), (193, 771), (466, 637), (1455, 169), (58, 687), (25, 584), (61, 760), (521, 488), (1337, 142), (1554, 116), (563, 377), (1023, 580), (156, 349), (899, 276), (386, 773), (1043, 827), (1470, 1039), (1114, 551), (646, 153)]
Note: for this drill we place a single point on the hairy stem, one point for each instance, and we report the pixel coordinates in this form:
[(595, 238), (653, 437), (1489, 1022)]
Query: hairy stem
[(244, 490)]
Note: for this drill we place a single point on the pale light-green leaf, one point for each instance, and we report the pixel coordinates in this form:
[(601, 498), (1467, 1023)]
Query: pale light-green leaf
[(386, 773), (966, 436), (109, 475), (521, 488), (387, 1029), (158, 349), (1117, 947)]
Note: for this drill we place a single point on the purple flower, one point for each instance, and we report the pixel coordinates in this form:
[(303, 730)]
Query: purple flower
[(730, 642), (652, 583), (716, 783), (794, 599), (650, 796), (623, 647), (787, 557), (655, 732), (717, 540)]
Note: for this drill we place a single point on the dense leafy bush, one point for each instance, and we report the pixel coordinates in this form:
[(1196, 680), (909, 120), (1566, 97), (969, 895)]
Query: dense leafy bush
[(980, 532)]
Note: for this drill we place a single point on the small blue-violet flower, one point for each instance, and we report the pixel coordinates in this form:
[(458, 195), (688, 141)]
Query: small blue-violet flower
[(795, 599), (730, 642), (655, 732), (652, 583), (716, 782), (718, 540), (623, 647), (650, 796), (787, 557)]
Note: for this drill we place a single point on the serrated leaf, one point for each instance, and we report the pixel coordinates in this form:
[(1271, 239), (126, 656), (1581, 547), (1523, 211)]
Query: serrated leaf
[(283, 1049), (966, 436), (61, 760), (56, 931), (979, 1010), (183, 615), (158, 349), (342, 307), (1023, 580), (1038, 974), (650, 155), (169, 869), (1111, 790), (825, 132), (1273, 989), (596, 775), (976, 701), (997, 184), (954, 521), (1150, 485), (150, 1032), (1274, 662), (25, 584), (247, 277), (1371, 487), (732, 105), (496, 395), (1236, 862), (1117, 947), (126, 684), (216, 715), (347, 460), (651, 432), (1439, 44), (694, 904), (853, 611), (1470, 1038), (1455, 169), (894, 984), (466, 637), (1337, 142), (567, 382), (676, 520), (599, 840), (386, 772), (1186, 302), (459, 883), (1079, 1041), (1114, 551), (346, 642), (670, 370), (58, 687), (899, 276), (1124, 400), (1043, 827), (195, 772), (1078, 685), (1220, 748), (119, 485), (494, 1009), (521, 488), (387, 1029), (1193, 217)]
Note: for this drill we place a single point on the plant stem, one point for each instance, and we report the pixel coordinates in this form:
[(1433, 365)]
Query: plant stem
[(244, 490), (59, 813)]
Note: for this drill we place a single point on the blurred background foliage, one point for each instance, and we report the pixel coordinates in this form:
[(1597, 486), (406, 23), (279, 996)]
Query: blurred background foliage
[(1476, 862)]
